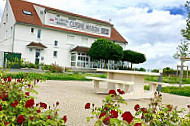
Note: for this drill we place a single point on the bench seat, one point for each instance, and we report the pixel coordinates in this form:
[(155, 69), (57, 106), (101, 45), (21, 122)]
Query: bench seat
[(121, 84)]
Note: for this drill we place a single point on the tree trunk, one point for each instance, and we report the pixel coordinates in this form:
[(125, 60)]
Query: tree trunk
[(131, 66), (181, 74)]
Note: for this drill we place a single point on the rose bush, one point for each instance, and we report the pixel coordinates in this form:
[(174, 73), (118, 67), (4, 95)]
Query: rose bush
[(156, 114), (18, 107)]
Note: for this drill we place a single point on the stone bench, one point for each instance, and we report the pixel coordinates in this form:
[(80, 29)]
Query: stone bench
[(154, 85), (121, 84)]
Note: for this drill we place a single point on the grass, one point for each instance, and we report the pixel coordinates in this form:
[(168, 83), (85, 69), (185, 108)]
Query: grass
[(171, 80), (54, 76), (183, 91)]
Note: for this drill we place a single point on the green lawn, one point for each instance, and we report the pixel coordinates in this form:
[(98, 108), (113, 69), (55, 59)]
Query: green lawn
[(183, 91), (171, 80), (54, 76)]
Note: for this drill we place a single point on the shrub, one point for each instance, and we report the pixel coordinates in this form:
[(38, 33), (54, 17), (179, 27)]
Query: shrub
[(53, 68), (17, 106), (156, 114)]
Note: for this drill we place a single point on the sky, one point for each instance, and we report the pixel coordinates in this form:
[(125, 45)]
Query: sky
[(152, 27)]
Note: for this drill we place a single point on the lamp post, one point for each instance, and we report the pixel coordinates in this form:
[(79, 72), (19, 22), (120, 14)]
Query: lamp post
[(160, 79)]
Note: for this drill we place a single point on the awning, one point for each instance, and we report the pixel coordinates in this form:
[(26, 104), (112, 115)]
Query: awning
[(36, 45), (80, 49)]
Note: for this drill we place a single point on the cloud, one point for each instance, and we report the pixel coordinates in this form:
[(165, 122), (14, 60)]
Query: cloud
[(2, 4)]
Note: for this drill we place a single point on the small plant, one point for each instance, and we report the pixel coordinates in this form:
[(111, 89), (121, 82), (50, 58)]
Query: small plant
[(156, 114), (17, 106)]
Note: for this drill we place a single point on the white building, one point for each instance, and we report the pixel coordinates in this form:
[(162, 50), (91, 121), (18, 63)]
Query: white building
[(47, 35)]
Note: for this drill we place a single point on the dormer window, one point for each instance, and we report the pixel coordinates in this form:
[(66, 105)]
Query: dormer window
[(26, 12)]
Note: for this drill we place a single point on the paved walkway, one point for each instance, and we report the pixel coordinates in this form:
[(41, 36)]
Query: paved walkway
[(73, 95)]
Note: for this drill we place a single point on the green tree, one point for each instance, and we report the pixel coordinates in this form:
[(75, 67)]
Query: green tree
[(105, 49), (182, 50), (133, 57), (186, 32)]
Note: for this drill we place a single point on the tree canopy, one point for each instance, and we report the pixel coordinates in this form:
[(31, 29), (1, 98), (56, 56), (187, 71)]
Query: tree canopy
[(105, 49), (133, 57)]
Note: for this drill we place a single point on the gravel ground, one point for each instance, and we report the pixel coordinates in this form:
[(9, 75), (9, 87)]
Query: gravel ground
[(73, 95)]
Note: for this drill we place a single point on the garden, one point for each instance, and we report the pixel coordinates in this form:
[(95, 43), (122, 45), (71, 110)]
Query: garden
[(18, 106)]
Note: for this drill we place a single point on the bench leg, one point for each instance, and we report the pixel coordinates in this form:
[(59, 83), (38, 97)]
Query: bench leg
[(120, 86), (111, 86), (96, 85), (126, 88), (153, 87)]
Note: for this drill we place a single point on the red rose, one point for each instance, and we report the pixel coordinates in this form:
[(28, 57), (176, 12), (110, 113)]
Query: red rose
[(169, 108), (6, 95), (29, 103), (18, 80), (188, 106), (38, 111), (43, 105), (112, 92), (106, 120), (137, 107), (65, 118), (5, 79), (14, 104), (142, 117), (1, 108), (102, 114), (48, 117), (137, 124), (120, 91), (6, 123), (9, 79), (114, 114), (57, 103), (27, 93), (144, 110), (127, 117), (31, 118), (87, 106), (20, 119), (1, 98)]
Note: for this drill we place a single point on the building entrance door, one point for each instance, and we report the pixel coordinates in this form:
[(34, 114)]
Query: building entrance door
[(37, 56)]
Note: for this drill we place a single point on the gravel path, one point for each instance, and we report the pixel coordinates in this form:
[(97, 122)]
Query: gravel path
[(73, 95)]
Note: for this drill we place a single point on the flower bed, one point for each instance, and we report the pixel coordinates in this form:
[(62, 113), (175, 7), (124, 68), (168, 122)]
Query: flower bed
[(156, 114), (18, 107)]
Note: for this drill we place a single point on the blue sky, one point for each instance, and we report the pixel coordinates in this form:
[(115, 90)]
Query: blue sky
[(151, 27)]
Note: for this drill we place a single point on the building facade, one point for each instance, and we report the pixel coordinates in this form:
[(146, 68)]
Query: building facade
[(47, 35)]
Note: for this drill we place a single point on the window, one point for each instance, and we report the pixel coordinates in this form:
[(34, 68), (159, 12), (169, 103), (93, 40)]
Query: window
[(39, 33), (73, 59), (84, 41), (55, 43), (30, 49), (26, 12), (32, 30), (83, 60), (55, 53), (70, 39), (41, 12)]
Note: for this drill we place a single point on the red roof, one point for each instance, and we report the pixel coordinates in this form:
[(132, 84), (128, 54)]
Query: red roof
[(18, 6), (33, 44), (80, 49)]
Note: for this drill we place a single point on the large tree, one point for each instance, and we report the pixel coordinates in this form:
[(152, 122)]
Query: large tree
[(133, 57), (105, 49)]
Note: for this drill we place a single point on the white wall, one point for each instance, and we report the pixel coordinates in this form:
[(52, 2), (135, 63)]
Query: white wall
[(23, 37), (6, 29)]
